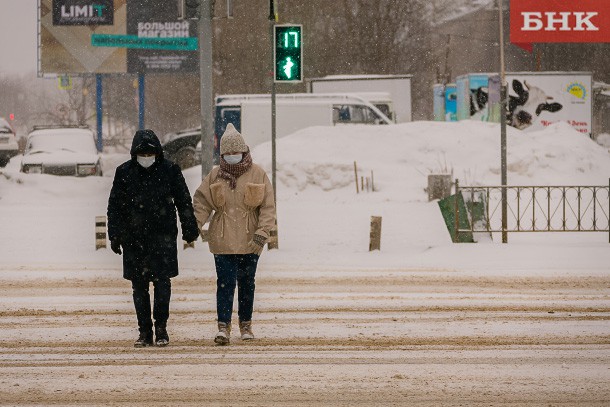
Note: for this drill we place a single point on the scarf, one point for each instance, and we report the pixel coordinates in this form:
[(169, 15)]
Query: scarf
[(231, 172)]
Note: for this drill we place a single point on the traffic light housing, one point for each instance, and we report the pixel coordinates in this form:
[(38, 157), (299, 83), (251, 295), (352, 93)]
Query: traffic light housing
[(188, 9), (288, 53)]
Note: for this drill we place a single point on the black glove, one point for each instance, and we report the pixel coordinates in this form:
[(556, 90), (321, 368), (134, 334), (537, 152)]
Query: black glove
[(115, 245), (190, 236)]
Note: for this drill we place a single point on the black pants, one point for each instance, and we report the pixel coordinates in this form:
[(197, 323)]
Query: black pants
[(141, 300), (231, 270)]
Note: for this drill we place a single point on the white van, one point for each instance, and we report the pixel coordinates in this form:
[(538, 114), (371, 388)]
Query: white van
[(251, 114)]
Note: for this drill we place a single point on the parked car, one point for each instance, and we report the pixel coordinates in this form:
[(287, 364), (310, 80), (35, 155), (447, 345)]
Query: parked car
[(8, 142), (180, 147), (251, 115), (61, 150)]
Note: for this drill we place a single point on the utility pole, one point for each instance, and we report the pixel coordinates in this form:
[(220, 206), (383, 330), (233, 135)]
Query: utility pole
[(503, 99), (274, 243), (204, 27), (272, 21)]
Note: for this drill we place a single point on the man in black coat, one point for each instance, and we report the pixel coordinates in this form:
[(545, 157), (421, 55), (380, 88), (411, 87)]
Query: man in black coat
[(145, 194)]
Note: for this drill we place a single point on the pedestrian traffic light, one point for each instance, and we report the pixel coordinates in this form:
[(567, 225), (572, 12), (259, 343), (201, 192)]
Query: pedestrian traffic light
[(288, 53), (11, 116)]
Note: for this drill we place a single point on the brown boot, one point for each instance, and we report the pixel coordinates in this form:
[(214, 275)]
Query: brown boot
[(223, 337), (245, 328)]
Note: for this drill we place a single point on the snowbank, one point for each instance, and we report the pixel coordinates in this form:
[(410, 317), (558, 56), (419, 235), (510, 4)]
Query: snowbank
[(48, 220)]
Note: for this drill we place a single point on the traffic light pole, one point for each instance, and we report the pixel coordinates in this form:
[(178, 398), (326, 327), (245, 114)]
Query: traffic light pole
[(206, 86), (273, 91)]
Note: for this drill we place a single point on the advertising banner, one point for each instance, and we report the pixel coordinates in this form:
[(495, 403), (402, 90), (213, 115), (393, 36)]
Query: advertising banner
[(451, 102), (478, 85), (157, 21), (439, 102), (539, 99), (115, 36), (83, 12), (534, 21), (67, 49)]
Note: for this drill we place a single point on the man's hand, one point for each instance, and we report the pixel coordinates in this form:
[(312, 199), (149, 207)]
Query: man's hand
[(190, 238), (115, 245)]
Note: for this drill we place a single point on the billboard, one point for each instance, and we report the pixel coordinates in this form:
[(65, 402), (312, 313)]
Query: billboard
[(157, 20), (115, 36), (533, 21), (539, 99)]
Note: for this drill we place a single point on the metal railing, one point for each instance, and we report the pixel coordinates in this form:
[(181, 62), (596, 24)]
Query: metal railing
[(536, 208)]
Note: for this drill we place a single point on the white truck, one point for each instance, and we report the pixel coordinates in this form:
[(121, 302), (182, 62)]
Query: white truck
[(399, 107), (251, 114)]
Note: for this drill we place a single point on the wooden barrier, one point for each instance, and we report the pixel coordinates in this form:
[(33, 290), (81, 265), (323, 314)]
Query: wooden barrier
[(100, 232), (439, 186), (375, 242)]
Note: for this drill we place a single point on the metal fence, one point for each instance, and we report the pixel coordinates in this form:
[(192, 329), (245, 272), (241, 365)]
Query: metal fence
[(536, 208)]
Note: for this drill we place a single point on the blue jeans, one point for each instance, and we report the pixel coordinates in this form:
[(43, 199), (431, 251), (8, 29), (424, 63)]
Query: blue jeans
[(231, 270)]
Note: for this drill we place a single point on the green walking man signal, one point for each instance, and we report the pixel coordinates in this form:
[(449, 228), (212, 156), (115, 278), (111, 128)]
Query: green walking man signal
[(288, 53)]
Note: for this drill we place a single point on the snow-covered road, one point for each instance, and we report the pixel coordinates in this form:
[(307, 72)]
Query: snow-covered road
[(425, 337)]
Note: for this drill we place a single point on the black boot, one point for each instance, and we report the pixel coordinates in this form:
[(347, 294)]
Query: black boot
[(145, 339), (161, 336)]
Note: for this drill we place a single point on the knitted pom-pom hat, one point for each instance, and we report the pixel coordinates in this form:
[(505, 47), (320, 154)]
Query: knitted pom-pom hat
[(232, 142)]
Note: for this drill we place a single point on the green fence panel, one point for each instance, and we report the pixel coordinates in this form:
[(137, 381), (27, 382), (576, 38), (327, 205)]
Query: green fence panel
[(447, 206)]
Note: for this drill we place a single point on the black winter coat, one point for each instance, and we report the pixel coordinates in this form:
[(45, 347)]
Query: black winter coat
[(142, 213)]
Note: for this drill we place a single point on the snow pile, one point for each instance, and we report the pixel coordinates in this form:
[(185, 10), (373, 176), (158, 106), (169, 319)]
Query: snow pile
[(49, 220), (401, 156)]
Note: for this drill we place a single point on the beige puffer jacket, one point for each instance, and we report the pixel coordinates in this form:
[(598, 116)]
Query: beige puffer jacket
[(237, 213)]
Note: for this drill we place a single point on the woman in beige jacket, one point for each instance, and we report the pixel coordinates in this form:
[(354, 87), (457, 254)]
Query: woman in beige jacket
[(239, 197)]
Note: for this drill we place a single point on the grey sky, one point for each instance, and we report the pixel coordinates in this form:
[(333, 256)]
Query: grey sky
[(18, 36)]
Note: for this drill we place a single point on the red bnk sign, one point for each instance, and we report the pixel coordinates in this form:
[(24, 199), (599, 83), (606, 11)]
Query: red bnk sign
[(559, 21)]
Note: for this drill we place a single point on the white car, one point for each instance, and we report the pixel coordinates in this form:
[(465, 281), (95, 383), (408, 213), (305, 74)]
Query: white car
[(61, 151), (8, 143)]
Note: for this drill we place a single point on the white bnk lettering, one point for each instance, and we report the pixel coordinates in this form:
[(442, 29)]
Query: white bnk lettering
[(582, 19), (533, 21), (564, 20)]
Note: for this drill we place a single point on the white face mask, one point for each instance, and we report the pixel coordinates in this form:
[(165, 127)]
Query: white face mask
[(233, 159), (146, 161)]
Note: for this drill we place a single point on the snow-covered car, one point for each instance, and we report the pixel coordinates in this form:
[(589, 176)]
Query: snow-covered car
[(8, 142), (180, 147), (61, 151)]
